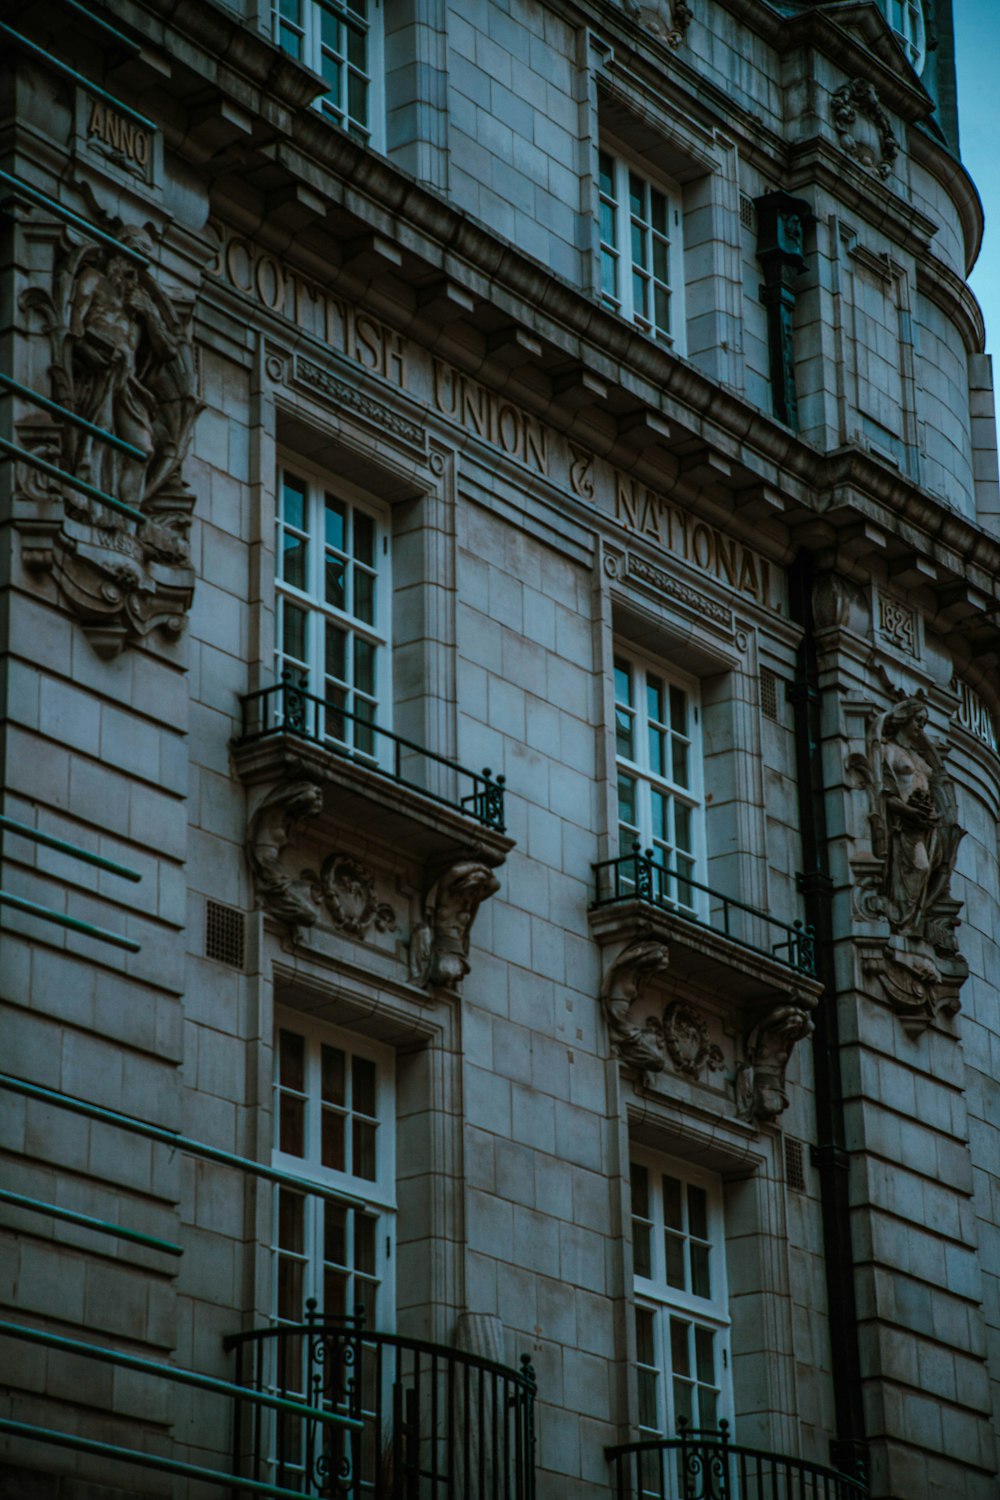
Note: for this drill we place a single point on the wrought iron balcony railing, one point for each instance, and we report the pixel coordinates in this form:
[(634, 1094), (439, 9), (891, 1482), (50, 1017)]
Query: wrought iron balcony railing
[(287, 708), (703, 1465), (436, 1423), (639, 876)]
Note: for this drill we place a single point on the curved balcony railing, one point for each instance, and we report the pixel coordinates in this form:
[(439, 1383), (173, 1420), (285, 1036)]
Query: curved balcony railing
[(435, 1423), (704, 1465), (639, 876), (288, 708)]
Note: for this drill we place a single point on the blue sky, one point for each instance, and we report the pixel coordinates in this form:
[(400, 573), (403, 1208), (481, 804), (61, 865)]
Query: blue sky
[(977, 45)]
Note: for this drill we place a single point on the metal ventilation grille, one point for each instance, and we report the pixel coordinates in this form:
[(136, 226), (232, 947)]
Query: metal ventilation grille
[(795, 1172), (225, 934), (769, 695), (748, 214)]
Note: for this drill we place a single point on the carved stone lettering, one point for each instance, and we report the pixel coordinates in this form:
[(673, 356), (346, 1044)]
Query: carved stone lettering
[(897, 624), (121, 359)]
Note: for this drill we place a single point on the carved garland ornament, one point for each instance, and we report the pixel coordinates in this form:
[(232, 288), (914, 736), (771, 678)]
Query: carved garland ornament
[(122, 359), (906, 882), (864, 128), (346, 888)]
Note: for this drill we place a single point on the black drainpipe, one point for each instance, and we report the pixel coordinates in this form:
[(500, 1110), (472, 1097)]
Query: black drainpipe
[(849, 1451)]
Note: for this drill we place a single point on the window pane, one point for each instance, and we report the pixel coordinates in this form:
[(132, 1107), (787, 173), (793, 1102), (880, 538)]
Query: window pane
[(662, 309), (644, 1339), (658, 211), (701, 1283), (356, 48), (639, 242), (334, 1294), (680, 759), (656, 739), (661, 260), (364, 665), (336, 652), (673, 1211), (659, 806), (680, 1358), (609, 275), (330, 31), (292, 1063), (640, 296), (623, 733), (636, 195), (291, 1125), (294, 559), (357, 98), (704, 1349), (364, 596), (683, 1403), (674, 1246), (607, 223), (291, 1219), (333, 1140), (364, 538), (623, 683), (654, 698), (678, 710), (364, 1150), (336, 524), (697, 1212), (708, 1407), (647, 1399), (333, 1075), (293, 631), (640, 1190), (293, 503), (289, 1289), (682, 826), (364, 1243), (335, 1233), (363, 1085), (626, 799), (642, 1241), (336, 585), (606, 173)]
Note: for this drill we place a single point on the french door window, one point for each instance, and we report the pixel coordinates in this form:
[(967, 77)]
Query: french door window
[(681, 1308), (332, 606), (333, 1110), (641, 249), (906, 17), (340, 40), (660, 795)]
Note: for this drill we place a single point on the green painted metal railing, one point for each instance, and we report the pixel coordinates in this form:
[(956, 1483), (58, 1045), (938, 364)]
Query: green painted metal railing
[(60, 918), (35, 51), (109, 33), (35, 461), (35, 195), (171, 1138), (37, 399), (79, 1444), (87, 1221)]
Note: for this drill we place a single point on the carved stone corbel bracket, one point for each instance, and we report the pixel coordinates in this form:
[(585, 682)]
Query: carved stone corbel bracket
[(439, 947), (638, 964), (918, 984), (760, 1077), (279, 814)]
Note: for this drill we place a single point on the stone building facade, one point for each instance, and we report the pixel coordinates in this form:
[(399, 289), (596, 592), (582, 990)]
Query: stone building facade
[(588, 390)]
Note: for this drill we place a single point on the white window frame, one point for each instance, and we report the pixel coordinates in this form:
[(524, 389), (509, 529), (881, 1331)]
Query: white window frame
[(310, 597), (302, 19), (909, 26), (649, 782), (620, 232), (653, 1294), (377, 1196)]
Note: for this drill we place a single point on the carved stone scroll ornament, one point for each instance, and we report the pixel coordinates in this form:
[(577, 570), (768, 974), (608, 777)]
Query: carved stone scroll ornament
[(272, 827), (439, 948), (667, 20), (637, 966), (685, 1036), (907, 880), (760, 1078), (122, 359), (864, 128), (346, 888)]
